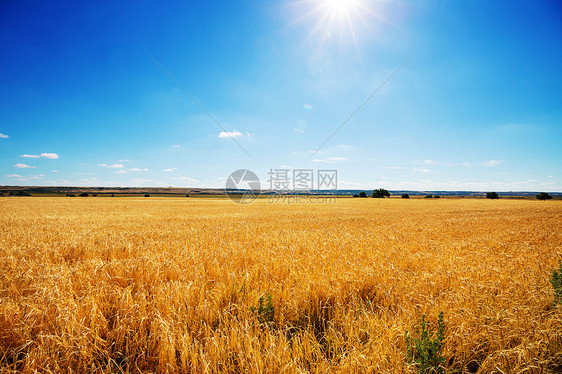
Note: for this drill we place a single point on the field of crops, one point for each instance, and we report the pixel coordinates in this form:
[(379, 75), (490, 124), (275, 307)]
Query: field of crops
[(146, 285)]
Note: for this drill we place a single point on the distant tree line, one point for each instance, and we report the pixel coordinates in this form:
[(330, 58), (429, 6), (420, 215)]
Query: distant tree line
[(378, 193), (18, 193)]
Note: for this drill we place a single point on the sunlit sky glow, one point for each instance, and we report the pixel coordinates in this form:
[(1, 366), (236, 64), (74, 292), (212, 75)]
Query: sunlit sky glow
[(476, 108)]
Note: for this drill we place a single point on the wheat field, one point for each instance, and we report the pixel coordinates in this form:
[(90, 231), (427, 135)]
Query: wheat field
[(170, 285)]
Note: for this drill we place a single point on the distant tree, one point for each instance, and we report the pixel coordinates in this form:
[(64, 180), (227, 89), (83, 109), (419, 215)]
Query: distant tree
[(380, 193), (19, 193), (492, 195), (146, 195), (544, 196), (112, 195), (428, 196), (70, 195), (405, 196), (436, 196), (356, 195), (94, 194), (84, 194), (186, 195), (362, 194)]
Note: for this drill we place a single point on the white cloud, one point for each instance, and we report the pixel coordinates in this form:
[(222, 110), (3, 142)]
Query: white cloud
[(169, 169), (430, 162), (187, 179), (54, 171), (3, 136), (299, 130), (550, 176), (121, 172), (114, 166), (421, 170), (25, 179), (23, 166), (139, 182), (492, 163), (394, 167), (344, 146), (52, 156), (137, 169), (230, 134), (430, 185), (176, 146), (330, 160), (89, 180), (124, 160)]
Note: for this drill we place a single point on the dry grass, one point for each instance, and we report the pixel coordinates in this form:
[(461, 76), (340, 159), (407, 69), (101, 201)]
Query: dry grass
[(108, 285)]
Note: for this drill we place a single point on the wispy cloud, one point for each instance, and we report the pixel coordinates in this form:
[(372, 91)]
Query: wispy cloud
[(137, 169), (394, 167), (430, 162), (176, 146), (299, 130), (121, 172), (492, 163), (187, 179), (52, 156), (23, 166), (25, 179), (114, 166), (170, 169), (139, 182), (330, 160), (4, 136), (230, 134), (421, 170), (54, 171)]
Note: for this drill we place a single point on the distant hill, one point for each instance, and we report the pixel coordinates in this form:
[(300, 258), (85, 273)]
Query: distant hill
[(173, 191)]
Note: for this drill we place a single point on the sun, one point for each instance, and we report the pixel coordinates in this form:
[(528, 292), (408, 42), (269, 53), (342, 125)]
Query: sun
[(342, 8), (340, 21)]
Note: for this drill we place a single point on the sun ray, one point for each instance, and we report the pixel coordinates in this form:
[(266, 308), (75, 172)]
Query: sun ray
[(349, 21)]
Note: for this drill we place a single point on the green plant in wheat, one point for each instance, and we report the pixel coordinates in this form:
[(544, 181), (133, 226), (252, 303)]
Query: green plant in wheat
[(556, 280), (424, 347), (265, 310)]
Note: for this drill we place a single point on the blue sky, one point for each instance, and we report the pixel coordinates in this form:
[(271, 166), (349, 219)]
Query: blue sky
[(477, 107)]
